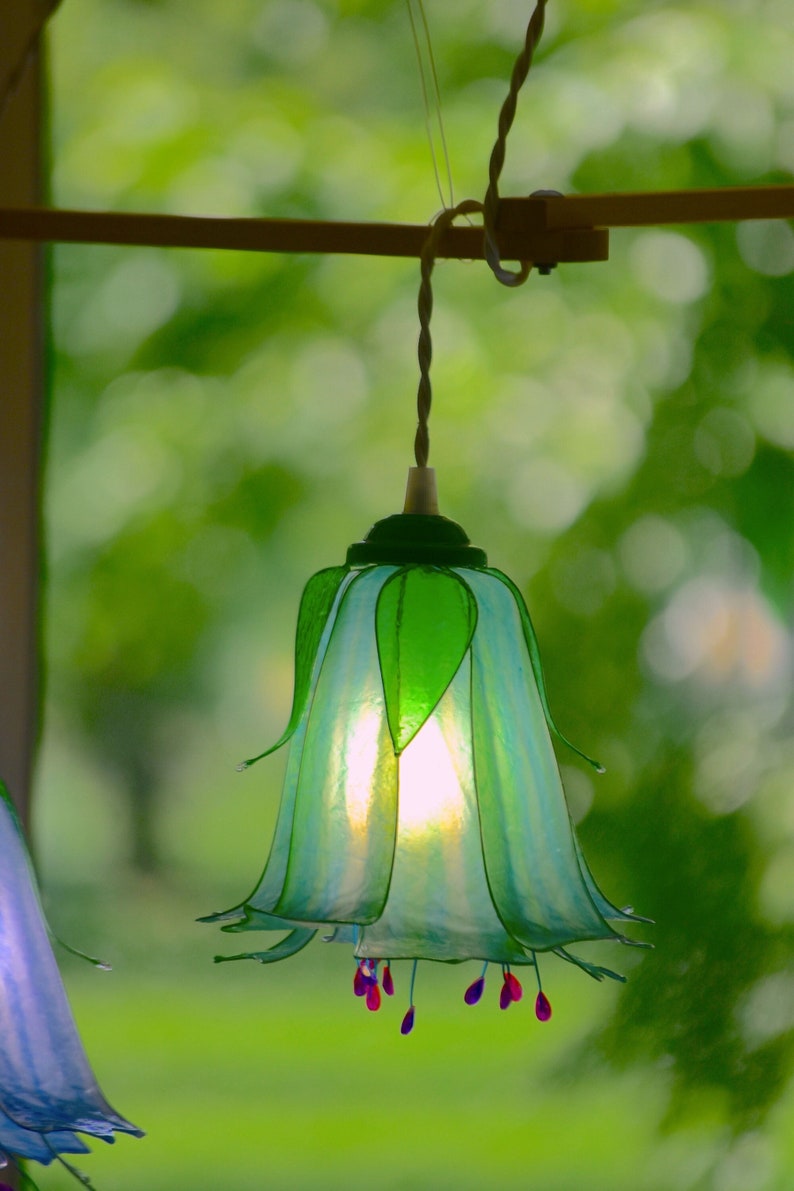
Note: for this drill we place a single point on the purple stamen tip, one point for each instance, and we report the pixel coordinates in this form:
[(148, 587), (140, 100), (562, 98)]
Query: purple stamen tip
[(514, 984), (474, 991), (373, 996), (505, 996), (360, 983), (542, 1007), (388, 983), (408, 1021)]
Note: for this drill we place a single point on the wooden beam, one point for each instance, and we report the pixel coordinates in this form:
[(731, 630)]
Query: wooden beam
[(292, 235), (541, 228), (728, 204)]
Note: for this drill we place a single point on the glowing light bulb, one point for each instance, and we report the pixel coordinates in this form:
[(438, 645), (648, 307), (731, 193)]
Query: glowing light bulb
[(431, 798)]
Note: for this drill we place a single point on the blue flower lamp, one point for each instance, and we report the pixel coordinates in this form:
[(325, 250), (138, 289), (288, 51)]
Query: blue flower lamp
[(48, 1093), (423, 816)]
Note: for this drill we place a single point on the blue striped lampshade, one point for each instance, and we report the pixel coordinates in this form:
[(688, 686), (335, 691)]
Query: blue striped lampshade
[(48, 1093)]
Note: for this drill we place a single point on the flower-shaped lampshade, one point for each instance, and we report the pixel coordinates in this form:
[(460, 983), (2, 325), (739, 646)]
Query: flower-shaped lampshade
[(48, 1093), (423, 815)]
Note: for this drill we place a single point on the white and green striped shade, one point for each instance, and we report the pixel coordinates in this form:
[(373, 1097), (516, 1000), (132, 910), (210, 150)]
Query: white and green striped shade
[(48, 1092), (423, 816)]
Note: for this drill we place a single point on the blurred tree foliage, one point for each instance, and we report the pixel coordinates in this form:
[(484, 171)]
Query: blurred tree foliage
[(619, 436)]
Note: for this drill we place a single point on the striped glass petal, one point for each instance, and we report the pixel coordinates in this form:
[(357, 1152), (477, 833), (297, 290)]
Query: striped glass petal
[(439, 906), (530, 854), (272, 880), (344, 787), (41, 1147), (46, 1083)]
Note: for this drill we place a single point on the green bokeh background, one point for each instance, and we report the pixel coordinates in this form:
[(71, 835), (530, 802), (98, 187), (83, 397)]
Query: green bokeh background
[(617, 436)]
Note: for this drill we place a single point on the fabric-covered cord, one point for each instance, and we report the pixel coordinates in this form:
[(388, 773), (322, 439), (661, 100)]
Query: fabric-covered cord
[(425, 308), (488, 208)]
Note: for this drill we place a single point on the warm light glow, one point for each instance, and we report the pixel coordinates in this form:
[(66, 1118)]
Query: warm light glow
[(430, 794), (362, 752), (431, 797)]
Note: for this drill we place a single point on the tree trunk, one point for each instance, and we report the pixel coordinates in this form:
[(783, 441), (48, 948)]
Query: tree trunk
[(21, 396)]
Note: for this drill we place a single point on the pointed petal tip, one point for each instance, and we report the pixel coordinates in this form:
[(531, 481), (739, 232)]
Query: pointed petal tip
[(102, 964), (221, 915), (282, 740), (635, 942)]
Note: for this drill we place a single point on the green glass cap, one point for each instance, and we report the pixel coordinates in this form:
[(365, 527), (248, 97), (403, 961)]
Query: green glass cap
[(416, 537)]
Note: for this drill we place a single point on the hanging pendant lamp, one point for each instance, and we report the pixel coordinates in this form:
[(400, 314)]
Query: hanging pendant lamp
[(48, 1093), (423, 815)]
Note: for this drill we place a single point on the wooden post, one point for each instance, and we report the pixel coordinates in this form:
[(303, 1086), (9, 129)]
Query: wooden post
[(21, 398)]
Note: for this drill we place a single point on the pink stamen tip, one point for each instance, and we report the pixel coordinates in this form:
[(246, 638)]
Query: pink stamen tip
[(542, 1007), (474, 991), (373, 997), (388, 983), (516, 991), (408, 1021), (360, 983), (505, 996)]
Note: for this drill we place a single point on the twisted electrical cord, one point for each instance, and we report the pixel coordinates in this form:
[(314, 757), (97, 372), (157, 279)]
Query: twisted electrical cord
[(506, 116), (488, 208), (425, 308)]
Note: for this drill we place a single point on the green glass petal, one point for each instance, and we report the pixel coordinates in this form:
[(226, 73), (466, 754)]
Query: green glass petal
[(270, 884), (294, 942), (530, 854), (224, 915), (425, 621), (534, 654), (340, 793), (594, 970), (276, 865), (439, 905), (258, 920), (316, 605)]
